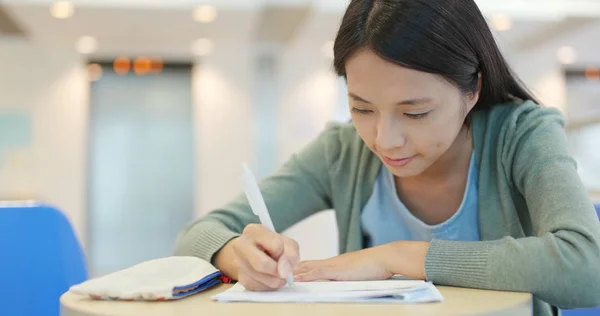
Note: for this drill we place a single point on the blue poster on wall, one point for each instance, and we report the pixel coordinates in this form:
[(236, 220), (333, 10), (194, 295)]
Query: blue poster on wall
[(15, 131)]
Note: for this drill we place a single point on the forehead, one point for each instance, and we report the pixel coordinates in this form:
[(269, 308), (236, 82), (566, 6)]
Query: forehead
[(367, 73)]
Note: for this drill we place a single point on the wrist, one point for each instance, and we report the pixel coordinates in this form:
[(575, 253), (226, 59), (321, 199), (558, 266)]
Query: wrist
[(224, 260), (406, 258)]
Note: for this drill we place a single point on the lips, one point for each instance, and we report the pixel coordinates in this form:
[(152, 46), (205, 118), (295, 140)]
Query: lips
[(397, 162)]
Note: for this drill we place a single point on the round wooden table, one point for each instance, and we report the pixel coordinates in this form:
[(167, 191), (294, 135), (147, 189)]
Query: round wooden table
[(458, 301)]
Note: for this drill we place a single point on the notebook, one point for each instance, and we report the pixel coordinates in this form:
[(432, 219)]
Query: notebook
[(161, 279), (388, 291), (174, 278)]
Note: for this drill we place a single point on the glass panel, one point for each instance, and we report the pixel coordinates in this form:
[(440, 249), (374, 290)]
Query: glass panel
[(141, 167)]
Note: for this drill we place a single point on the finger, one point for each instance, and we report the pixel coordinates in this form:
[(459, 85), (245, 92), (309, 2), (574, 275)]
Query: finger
[(268, 282), (289, 259), (314, 274), (252, 285), (268, 240), (291, 251), (313, 270), (272, 243), (304, 267), (252, 258)]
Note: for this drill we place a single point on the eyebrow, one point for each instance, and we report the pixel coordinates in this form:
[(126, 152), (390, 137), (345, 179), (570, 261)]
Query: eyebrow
[(414, 102)]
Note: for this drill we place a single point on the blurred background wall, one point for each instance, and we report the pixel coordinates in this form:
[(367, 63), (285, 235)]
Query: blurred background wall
[(133, 116)]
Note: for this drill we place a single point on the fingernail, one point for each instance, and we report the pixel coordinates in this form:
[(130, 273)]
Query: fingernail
[(284, 269)]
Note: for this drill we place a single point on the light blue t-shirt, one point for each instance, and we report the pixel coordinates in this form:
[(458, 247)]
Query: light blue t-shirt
[(385, 219)]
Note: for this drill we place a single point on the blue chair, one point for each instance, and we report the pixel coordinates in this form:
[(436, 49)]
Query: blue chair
[(40, 259), (584, 312)]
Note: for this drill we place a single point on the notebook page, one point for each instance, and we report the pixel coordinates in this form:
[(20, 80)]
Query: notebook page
[(405, 291)]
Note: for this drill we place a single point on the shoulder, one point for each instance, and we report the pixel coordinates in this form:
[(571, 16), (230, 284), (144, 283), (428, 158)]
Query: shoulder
[(522, 117), (511, 134), (511, 124)]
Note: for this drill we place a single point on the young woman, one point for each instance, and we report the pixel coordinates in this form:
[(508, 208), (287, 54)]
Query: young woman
[(449, 172)]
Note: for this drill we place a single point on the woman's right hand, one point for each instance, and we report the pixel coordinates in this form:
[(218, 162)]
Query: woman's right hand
[(259, 259)]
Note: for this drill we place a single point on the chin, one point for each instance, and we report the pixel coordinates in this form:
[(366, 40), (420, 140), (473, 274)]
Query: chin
[(405, 172)]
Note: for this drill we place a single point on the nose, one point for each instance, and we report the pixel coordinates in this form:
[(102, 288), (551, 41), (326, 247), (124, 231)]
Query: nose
[(389, 135)]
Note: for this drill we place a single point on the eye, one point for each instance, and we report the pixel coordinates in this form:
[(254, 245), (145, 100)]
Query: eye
[(362, 112), (418, 116)]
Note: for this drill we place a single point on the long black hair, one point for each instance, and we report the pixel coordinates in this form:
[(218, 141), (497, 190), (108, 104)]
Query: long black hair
[(445, 37)]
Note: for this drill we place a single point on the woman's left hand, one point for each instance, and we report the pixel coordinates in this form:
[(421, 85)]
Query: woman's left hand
[(377, 263)]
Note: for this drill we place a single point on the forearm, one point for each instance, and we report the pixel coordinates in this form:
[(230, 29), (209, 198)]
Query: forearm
[(559, 268), (203, 239)]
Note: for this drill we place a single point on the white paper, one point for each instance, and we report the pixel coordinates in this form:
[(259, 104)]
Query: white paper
[(389, 291)]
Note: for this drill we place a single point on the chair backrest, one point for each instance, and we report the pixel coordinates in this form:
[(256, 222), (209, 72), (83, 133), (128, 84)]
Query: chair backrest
[(41, 259)]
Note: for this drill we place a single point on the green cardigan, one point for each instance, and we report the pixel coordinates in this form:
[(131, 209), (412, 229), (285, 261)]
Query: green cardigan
[(539, 231)]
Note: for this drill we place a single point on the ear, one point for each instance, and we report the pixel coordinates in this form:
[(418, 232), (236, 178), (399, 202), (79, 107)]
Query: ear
[(474, 97)]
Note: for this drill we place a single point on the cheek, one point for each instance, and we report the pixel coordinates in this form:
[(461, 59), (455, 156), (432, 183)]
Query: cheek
[(431, 143), (441, 147), (365, 131), (437, 147), (435, 140)]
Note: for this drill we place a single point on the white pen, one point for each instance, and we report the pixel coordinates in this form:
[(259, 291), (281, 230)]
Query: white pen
[(257, 203)]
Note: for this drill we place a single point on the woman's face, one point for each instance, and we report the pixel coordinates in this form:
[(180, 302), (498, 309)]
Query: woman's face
[(408, 118)]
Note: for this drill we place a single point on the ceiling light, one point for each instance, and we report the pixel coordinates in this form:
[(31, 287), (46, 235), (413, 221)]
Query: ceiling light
[(87, 45), (62, 9), (205, 13), (501, 22), (202, 47), (567, 55)]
